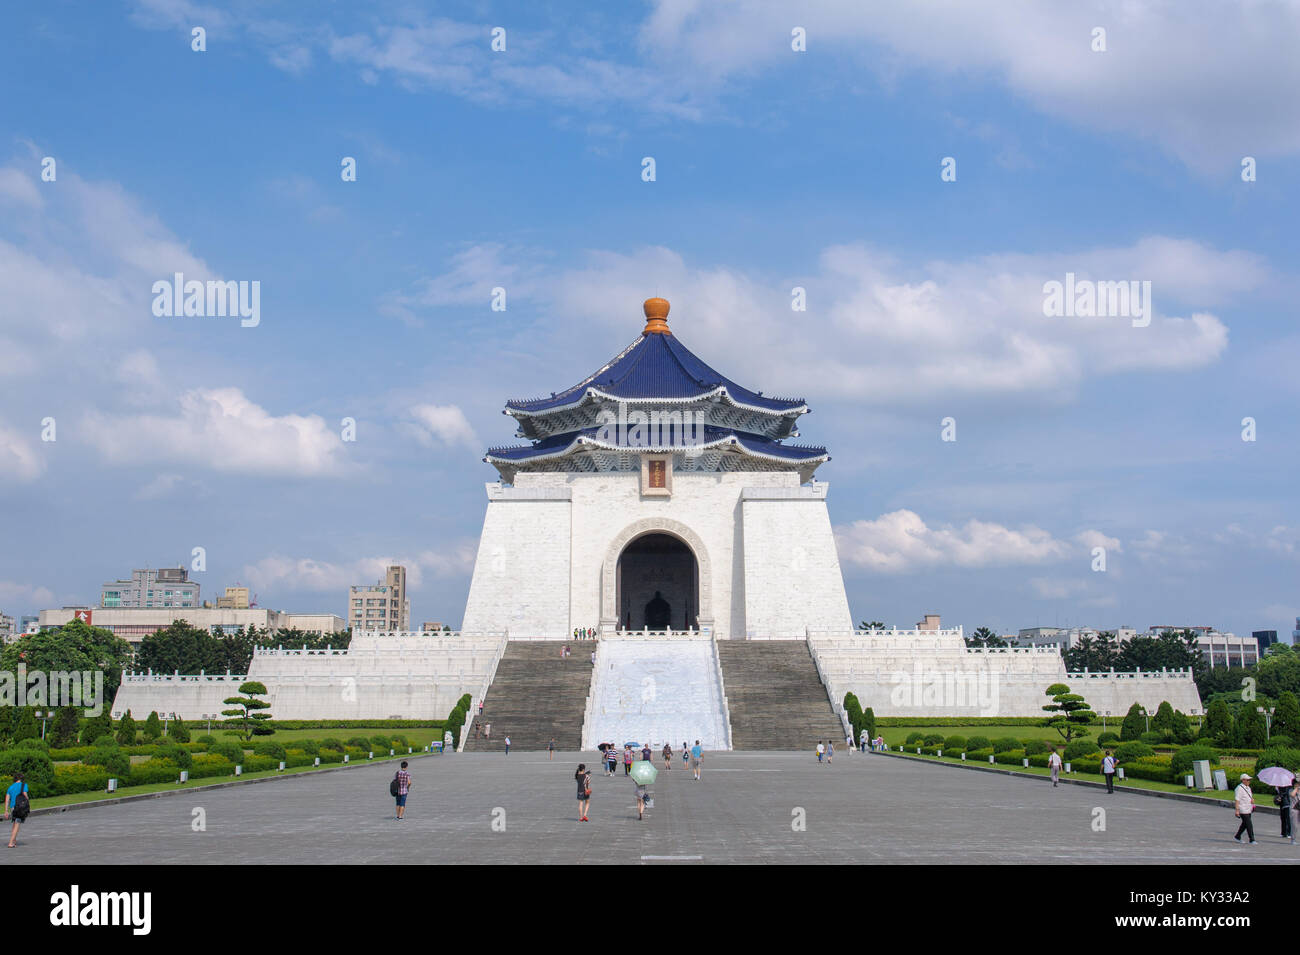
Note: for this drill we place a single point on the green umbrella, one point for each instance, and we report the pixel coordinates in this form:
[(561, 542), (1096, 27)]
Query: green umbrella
[(644, 772)]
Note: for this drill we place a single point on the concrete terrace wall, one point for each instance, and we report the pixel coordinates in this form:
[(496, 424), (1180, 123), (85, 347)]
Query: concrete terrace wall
[(388, 676), (929, 674)]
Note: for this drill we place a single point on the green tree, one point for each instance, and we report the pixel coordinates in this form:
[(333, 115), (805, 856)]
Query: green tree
[(1249, 731), (25, 726), (152, 727), (246, 711), (178, 731), (1182, 729), (1071, 712), (1134, 724), (97, 726), (984, 637), (872, 625), (66, 724), (1217, 726), (74, 646), (126, 730), (1163, 721), (1287, 718), (1098, 653), (6, 724)]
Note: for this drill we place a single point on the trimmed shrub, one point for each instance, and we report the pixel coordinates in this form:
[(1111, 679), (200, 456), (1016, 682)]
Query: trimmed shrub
[(153, 726), (360, 742), (208, 765), (260, 764), (1036, 747), (1009, 757), (382, 744), (330, 756), (307, 746), (34, 764), (74, 753), (1285, 757), (108, 739), (979, 755), (174, 753), (1107, 740), (355, 753), (79, 779), (1078, 748), (178, 731), (955, 744), (153, 771), (401, 742), (929, 750), (34, 742), (1181, 762), (296, 757), (1038, 759), (933, 739), (914, 739), (126, 730), (1155, 768), (269, 747), (115, 762), (978, 742), (1152, 738), (1006, 744), (1280, 741), (330, 742), (233, 752), (207, 739), (1127, 752), (1086, 764)]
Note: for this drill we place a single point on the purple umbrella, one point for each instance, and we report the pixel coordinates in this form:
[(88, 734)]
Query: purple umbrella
[(1276, 776)]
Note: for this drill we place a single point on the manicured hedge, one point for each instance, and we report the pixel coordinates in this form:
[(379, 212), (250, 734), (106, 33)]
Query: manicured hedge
[(35, 765), (1126, 752), (1079, 748), (979, 742), (1006, 744), (269, 747), (1181, 763), (71, 754), (152, 771), (955, 744), (979, 755), (1035, 747), (914, 739), (1009, 757), (1154, 768), (79, 779)]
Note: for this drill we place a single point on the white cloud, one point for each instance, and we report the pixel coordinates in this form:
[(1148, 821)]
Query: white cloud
[(18, 187), (900, 542), (222, 430), (306, 574), (891, 333), (446, 423), (16, 595), (1091, 539), (1210, 82), (19, 459)]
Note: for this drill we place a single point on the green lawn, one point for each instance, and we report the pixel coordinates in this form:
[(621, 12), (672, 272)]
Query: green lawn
[(1213, 794), (420, 736), (894, 735), (47, 801)]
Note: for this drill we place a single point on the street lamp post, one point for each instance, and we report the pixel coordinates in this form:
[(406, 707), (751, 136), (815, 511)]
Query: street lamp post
[(42, 715), (1268, 720)]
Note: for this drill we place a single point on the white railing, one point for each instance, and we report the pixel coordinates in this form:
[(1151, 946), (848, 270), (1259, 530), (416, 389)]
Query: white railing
[(483, 689), (431, 634), (647, 634), (178, 677), (589, 709), (832, 690), (722, 692)]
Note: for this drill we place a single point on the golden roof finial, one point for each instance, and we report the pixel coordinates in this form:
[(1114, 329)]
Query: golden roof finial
[(656, 314)]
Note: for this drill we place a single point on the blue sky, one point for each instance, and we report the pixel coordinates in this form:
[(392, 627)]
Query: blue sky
[(775, 168)]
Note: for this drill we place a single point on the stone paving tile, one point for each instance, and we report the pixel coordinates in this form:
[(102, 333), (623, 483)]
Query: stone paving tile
[(862, 809)]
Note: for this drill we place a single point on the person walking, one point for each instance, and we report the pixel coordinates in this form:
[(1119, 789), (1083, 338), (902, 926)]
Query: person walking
[(645, 753), (550, 749), (862, 740), (1244, 809), (627, 760), (821, 751), (686, 754), (403, 781), (1283, 802), (830, 751), (17, 806), (611, 760), (1108, 770), (507, 744), (668, 756), (848, 743), (583, 778), (640, 800), (1054, 764), (1295, 808), (697, 754)]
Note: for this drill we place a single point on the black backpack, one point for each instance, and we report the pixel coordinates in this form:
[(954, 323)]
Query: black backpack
[(394, 788), (22, 805)]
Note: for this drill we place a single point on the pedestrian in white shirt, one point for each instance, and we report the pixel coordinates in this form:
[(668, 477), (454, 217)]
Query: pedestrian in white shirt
[(1108, 770), (1245, 809), (1054, 764)]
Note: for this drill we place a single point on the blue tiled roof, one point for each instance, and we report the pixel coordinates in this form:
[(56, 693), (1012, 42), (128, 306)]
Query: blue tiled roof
[(656, 366), (560, 444)]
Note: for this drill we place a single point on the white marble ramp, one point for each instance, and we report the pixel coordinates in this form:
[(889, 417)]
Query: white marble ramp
[(657, 690)]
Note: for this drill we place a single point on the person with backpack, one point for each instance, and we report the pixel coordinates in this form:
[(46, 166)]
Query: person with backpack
[(17, 806), (1108, 770), (1283, 802), (583, 779), (668, 756), (399, 788)]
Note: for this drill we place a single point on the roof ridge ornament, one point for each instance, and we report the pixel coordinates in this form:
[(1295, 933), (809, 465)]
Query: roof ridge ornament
[(656, 314)]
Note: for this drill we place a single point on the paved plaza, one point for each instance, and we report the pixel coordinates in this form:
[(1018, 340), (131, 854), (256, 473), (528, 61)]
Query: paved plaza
[(862, 809)]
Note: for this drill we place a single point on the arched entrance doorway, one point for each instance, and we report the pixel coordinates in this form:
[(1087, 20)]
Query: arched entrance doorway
[(658, 584)]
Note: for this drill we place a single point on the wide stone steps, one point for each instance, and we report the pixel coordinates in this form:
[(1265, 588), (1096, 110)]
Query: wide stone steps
[(775, 698), (535, 695)]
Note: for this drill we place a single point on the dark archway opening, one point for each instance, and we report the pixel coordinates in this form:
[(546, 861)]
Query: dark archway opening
[(658, 584)]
